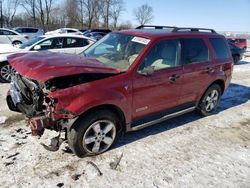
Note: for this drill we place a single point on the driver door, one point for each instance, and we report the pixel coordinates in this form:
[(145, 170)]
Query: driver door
[(159, 91)]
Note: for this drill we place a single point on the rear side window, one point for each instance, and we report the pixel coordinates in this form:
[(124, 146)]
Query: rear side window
[(75, 42), (194, 50), (220, 48)]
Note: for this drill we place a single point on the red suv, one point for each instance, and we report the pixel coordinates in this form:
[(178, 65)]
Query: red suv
[(240, 42), (126, 81)]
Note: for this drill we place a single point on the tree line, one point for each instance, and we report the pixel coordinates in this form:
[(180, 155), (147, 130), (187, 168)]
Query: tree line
[(84, 14)]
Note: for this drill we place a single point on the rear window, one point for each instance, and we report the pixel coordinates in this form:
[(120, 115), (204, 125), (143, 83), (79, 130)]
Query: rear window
[(194, 50), (27, 30), (220, 48)]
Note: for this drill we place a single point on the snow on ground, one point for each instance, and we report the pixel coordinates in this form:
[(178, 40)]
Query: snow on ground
[(188, 151)]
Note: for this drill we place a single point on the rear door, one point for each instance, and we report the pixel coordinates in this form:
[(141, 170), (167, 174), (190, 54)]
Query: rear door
[(158, 92), (198, 69), (74, 45), (7, 37)]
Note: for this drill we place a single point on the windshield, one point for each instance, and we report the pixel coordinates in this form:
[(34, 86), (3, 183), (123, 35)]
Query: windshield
[(117, 50), (30, 42)]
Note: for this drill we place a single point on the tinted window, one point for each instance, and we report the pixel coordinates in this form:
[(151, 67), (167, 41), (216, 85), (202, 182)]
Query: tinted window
[(220, 48), (194, 51), (54, 43), (75, 42), (30, 30), (4, 32), (71, 31), (163, 55)]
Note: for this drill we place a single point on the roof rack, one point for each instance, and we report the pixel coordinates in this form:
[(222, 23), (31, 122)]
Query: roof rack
[(177, 29), (191, 29), (155, 27)]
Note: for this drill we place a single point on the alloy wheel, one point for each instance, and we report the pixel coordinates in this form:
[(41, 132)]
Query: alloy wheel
[(99, 136), (211, 100), (6, 72)]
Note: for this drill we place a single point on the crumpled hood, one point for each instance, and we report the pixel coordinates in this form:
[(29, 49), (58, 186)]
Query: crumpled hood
[(43, 66)]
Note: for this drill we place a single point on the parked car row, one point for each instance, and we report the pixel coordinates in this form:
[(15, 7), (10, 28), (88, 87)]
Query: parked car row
[(126, 81), (63, 43), (19, 35)]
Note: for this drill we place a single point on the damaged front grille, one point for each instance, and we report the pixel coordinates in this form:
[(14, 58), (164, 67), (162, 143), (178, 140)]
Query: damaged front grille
[(27, 96)]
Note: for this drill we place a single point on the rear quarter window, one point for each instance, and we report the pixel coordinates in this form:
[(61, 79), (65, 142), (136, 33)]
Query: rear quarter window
[(220, 47), (194, 50)]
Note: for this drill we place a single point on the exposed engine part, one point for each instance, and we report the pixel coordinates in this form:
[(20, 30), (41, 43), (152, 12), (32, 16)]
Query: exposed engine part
[(39, 123), (26, 95), (73, 80)]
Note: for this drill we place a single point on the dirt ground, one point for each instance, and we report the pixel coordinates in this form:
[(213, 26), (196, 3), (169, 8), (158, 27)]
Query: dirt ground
[(188, 151)]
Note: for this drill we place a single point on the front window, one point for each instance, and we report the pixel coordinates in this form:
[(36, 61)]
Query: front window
[(30, 42), (117, 50)]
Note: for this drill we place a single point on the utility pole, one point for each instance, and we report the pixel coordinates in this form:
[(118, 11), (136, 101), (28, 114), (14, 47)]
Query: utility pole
[(1, 6)]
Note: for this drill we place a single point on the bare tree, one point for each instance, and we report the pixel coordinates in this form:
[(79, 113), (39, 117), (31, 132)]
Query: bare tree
[(1, 12), (116, 9), (144, 14), (44, 8), (10, 11), (48, 8), (30, 8), (105, 11), (89, 7)]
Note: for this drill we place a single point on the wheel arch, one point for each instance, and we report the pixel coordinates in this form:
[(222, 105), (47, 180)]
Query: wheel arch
[(13, 42), (110, 107), (219, 82)]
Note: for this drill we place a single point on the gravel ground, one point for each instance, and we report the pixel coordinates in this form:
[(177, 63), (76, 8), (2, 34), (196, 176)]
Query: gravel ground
[(188, 151)]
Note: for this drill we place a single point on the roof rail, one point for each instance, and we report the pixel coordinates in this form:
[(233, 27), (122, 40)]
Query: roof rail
[(177, 29), (154, 27), (191, 29)]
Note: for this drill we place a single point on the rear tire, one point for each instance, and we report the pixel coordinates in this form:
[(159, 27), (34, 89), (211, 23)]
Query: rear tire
[(6, 71), (16, 43), (210, 100), (236, 59), (93, 133)]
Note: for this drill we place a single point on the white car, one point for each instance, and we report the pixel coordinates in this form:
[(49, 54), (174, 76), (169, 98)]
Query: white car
[(64, 30), (7, 48), (73, 44), (29, 31), (8, 36)]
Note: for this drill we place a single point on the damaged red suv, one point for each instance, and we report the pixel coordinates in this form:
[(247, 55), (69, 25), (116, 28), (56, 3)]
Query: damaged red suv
[(126, 81)]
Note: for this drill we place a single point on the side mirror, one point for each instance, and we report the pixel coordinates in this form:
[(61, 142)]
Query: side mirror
[(37, 47), (147, 71)]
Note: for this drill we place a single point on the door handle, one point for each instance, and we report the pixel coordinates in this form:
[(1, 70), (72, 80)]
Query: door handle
[(173, 78)]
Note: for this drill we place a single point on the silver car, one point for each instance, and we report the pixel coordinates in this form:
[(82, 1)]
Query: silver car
[(8, 36), (29, 31)]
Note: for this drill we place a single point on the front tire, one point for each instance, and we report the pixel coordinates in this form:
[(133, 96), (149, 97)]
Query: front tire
[(93, 133), (6, 71), (210, 100)]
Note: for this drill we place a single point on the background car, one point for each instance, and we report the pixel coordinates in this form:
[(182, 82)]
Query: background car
[(29, 31), (8, 36), (95, 35), (237, 52), (240, 42), (97, 30), (73, 44), (7, 48), (64, 31)]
